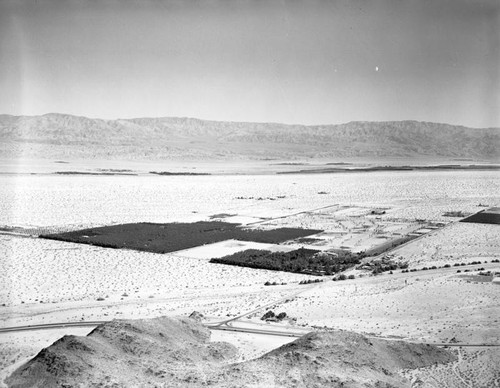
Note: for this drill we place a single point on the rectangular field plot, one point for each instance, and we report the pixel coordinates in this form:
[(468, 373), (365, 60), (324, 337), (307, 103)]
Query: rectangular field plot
[(163, 238), (355, 228), (301, 260), (489, 216), (228, 247)]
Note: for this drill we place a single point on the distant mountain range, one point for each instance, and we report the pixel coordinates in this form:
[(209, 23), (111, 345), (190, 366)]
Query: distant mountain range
[(65, 136)]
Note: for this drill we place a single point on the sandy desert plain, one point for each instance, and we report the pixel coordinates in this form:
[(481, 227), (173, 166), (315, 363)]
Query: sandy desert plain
[(45, 281)]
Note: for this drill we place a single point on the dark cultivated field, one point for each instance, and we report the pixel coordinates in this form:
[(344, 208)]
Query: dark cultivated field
[(299, 261), (379, 249), (92, 173), (484, 217), (163, 238), (168, 173), (444, 167)]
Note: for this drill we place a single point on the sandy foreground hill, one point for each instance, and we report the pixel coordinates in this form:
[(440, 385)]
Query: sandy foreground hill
[(178, 352)]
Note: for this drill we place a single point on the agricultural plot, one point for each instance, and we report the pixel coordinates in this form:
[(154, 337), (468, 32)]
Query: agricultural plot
[(229, 247), (369, 230), (163, 238), (300, 261), (345, 230), (488, 216), (350, 233)]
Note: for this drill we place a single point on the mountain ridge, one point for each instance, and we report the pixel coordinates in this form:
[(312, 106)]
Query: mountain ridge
[(239, 122), (167, 137), (176, 351)]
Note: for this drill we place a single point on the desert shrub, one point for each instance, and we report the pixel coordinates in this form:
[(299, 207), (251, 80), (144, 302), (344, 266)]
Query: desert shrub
[(456, 265), (268, 283), (100, 299), (351, 277), (281, 316), (455, 213), (342, 277), (433, 267), (446, 266), (267, 315), (309, 281), (458, 271)]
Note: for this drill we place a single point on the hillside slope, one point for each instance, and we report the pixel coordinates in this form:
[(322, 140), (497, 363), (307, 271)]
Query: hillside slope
[(59, 136), (177, 352)]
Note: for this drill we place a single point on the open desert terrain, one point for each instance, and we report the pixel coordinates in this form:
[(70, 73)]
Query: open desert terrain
[(46, 281)]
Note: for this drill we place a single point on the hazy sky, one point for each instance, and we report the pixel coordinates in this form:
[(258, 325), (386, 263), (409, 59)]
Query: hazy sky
[(310, 62)]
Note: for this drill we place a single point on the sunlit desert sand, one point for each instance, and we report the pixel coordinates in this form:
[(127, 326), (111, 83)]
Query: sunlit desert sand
[(52, 281)]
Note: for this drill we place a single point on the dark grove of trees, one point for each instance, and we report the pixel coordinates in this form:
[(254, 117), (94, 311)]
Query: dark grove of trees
[(300, 261), (164, 238)]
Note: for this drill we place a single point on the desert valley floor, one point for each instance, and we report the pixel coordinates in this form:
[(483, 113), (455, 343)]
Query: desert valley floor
[(446, 300)]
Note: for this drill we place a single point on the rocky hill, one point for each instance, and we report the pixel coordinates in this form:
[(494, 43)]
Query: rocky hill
[(59, 136), (178, 352)]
